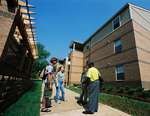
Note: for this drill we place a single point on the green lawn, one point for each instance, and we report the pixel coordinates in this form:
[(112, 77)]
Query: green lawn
[(130, 106), (28, 104)]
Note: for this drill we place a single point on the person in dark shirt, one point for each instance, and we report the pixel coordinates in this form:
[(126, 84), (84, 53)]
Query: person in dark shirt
[(84, 91)]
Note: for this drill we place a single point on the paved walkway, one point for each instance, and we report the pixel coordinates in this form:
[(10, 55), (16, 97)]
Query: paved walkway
[(71, 108)]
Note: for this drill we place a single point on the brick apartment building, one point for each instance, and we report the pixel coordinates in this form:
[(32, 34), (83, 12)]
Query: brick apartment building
[(120, 49), (17, 50)]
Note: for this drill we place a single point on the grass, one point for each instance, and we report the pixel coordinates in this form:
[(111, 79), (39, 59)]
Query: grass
[(28, 104), (130, 106)]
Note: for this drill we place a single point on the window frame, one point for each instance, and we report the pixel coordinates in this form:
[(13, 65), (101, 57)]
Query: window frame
[(113, 23), (117, 46), (120, 73), (86, 60), (87, 46)]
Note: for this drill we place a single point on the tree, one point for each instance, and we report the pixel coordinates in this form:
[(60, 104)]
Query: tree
[(41, 62)]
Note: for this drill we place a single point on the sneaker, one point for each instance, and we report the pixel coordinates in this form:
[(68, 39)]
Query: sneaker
[(65, 100), (58, 102)]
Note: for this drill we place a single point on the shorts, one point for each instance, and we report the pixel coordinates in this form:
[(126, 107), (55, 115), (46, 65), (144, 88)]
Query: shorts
[(47, 91)]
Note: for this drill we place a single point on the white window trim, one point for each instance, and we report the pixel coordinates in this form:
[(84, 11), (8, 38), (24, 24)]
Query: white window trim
[(115, 46), (116, 73), (119, 23)]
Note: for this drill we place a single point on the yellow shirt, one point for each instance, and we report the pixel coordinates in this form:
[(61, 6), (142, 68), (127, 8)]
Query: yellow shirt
[(93, 74)]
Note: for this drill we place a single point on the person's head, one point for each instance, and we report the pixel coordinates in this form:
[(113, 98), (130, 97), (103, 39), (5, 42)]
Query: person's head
[(61, 69), (91, 64), (53, 61), (85, 69)]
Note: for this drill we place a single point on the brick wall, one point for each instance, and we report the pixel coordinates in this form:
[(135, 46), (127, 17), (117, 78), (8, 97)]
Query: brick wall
[(103, 53), (142, 37), (6, 20), (76, 67), (17, 82), (11, 89)]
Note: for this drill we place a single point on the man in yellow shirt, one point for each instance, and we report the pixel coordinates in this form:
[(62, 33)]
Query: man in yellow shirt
[(93, 85)]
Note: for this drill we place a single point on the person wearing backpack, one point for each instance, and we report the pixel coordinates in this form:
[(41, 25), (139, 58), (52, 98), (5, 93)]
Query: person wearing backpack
[(93, 84), (48, 84)]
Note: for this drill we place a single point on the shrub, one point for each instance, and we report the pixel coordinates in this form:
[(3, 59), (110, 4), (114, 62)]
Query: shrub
[(104, 87), (127, 88), (130, 106), (145, 94), (131, 91), (110, 88), (139, 89), (118, 86), (121, 89)]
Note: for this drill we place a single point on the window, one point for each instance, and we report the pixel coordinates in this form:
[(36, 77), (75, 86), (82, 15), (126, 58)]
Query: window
[(116, 23), (87, 46), (118, 46), (87, 61), (120, 72)]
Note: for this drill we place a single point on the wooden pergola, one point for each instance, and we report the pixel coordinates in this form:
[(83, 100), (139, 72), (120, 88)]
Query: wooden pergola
[(28, 25)]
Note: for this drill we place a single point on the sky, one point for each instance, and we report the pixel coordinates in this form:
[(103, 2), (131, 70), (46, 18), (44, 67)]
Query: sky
[(59, 22)]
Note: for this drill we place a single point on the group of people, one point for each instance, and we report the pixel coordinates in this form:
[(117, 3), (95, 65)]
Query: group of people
[(59, 82), (90, 86)]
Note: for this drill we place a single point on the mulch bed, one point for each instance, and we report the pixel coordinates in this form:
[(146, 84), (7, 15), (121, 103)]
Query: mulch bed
[(136, 95)]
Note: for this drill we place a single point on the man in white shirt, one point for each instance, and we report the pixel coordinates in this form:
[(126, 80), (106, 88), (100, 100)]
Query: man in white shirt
[(48, 84)]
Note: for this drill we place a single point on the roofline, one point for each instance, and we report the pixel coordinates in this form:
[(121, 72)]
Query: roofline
[(74, 42), (147, 10), (124, 7)]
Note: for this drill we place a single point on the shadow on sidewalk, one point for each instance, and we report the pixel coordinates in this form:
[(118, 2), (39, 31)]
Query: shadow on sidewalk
[(84, 106)]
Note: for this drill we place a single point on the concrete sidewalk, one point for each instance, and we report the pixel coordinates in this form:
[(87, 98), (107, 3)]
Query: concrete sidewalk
[(71, 108)]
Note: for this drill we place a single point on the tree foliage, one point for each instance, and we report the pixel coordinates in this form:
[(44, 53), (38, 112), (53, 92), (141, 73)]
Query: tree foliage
[(41, 62)]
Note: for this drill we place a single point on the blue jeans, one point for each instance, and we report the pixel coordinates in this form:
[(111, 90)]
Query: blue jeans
[(60, 87)]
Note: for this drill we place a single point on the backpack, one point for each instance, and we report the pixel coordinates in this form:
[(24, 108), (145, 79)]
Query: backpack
[(101, 80), (43, 73)]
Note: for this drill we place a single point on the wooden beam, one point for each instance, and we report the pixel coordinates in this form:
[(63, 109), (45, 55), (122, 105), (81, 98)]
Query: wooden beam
[(30, 36), (23, 4), (28, 22), (24, 11), (28, 26), (27, 17), (28, 30)]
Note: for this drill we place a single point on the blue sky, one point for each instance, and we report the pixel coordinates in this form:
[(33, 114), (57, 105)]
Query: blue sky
[(61, 21)]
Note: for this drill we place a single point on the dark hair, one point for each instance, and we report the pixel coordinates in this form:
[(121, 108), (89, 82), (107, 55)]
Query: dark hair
[(91, 64), (53, 59), (85, 67)]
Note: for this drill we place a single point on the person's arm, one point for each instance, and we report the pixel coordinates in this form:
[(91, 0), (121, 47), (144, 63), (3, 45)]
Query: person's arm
[(87, 84), (81, 79), (57, 80), (50, 82), (64, 81), (88, 79)]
